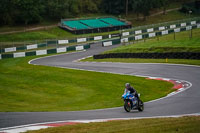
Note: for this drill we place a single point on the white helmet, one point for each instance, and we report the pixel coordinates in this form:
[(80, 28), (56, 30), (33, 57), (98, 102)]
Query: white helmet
[(127, 85)]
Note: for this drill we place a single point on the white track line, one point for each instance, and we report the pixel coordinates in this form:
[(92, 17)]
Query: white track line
[(82, 59), (54, 56)]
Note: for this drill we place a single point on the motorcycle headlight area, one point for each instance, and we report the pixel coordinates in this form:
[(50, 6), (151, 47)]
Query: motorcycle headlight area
[(131, 97)]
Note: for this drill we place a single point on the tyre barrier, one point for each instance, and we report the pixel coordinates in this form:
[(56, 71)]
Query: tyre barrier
[(171, 55)]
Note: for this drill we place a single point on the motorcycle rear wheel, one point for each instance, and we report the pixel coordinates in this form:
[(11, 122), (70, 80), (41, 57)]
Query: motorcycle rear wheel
[(140, 106)]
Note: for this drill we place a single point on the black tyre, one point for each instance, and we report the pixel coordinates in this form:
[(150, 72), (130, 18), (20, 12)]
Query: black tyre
[(127, 106), (140, 106)]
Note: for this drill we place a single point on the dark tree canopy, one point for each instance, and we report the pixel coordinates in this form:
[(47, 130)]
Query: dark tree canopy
[(33, 11)]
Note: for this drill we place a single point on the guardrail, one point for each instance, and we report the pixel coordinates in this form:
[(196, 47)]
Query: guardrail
[(124, 37), (177, 22), (45, 52), (143, 35), (138, 32)]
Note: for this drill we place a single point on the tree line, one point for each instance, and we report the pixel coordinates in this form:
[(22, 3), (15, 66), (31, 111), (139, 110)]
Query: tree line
[(33, 11)]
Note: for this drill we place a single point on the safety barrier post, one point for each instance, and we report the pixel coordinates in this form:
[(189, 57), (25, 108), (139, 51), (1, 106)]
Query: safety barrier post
[(56, 43), (1, 47), (174, 35), (25, 46), (46, 43)]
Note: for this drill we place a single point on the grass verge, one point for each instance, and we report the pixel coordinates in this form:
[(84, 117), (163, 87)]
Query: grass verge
[(170, 16), (136, 60), (157, 125), (52, 33), (182, 43), (165, 44), (25, 87)]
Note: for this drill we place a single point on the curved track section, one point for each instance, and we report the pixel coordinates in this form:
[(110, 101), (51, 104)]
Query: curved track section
[(186, 102)]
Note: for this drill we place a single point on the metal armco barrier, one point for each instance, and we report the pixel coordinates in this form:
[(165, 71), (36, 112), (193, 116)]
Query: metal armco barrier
[(147, 31), (45, 52)]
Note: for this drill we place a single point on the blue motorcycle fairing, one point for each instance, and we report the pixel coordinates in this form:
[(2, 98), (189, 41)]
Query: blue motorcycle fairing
[(131, 97)]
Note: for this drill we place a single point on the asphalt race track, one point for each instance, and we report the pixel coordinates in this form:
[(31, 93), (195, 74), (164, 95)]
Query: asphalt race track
[(186, 102)]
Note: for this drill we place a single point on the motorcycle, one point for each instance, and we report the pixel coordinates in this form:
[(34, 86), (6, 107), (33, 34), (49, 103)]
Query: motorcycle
[(132, 103)]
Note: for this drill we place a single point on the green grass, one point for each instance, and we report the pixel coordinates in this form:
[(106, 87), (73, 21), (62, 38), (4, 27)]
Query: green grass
[(52, 33), (25, 87), (170, 16), (165, 44), (157, 125), (8, 28), (182, 43)]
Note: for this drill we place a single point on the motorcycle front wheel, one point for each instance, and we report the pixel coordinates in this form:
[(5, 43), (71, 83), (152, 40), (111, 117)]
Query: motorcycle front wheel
[(127, 106)]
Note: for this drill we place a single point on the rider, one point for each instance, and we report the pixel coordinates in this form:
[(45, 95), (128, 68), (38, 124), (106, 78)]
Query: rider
[(131, 89)]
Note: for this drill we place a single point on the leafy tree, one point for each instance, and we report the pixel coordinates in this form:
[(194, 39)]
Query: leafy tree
[(98, 3), (114, 6), (28, 11), (74, 7), (57, 9), (164, 4), (32, 11), (88, 6), (146, 7), (137, 7), (7, 14)]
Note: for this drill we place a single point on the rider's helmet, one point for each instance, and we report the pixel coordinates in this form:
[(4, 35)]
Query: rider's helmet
[(127, 85)]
